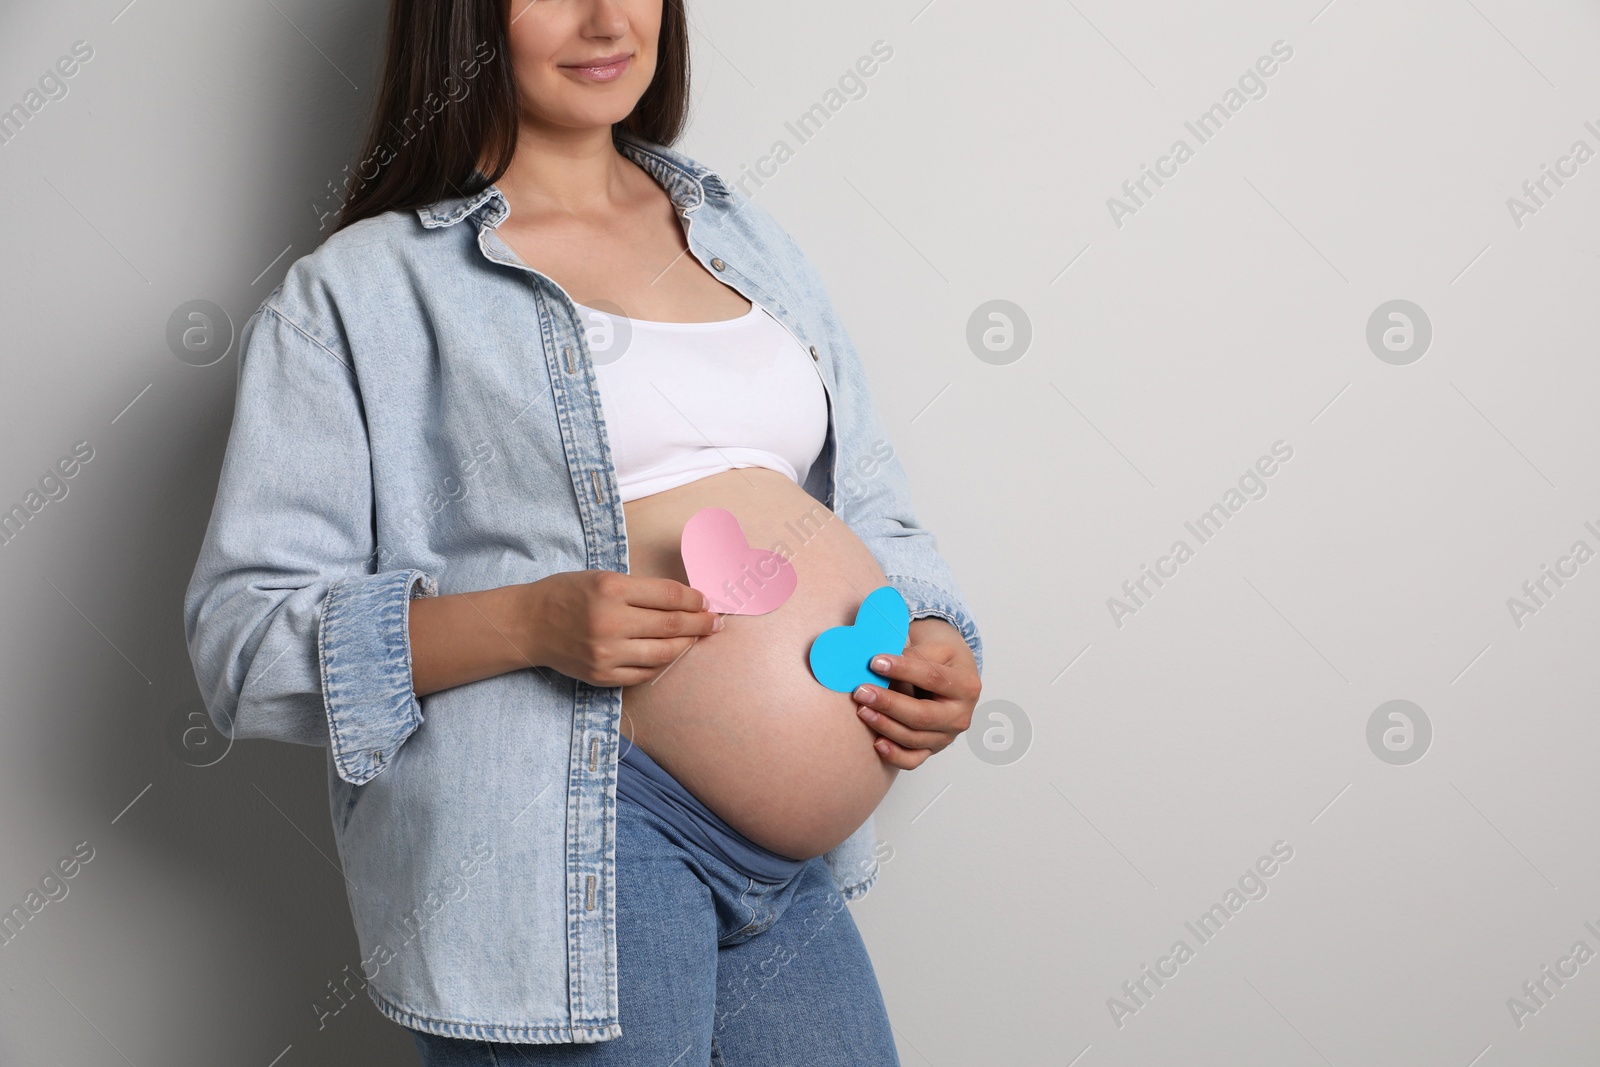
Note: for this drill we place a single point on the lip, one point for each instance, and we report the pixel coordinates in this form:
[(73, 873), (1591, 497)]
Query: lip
[(603, 68)]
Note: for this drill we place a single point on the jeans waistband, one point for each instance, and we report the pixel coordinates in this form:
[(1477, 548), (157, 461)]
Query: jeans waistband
[(644, 782)]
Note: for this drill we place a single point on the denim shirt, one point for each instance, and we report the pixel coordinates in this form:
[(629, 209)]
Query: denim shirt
[(416, 415)]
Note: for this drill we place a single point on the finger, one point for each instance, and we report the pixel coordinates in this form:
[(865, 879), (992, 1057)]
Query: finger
[(649, 623), (898, 756), (914, 713), (901, 734), (945, 679), (652, 654), (908, 720), (626, 676), (663, 594), (657, 675)]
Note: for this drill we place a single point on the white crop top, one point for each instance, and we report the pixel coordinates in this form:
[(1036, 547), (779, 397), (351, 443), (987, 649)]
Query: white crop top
[(684, 400)]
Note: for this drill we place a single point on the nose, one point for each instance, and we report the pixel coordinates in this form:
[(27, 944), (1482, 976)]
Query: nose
[(606, 18)]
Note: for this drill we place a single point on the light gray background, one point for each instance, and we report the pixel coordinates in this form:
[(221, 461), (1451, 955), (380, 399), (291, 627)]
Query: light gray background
[(1168, 354)]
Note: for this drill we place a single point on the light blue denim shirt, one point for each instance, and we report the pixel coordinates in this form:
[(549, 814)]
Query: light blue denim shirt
[(416, 415)]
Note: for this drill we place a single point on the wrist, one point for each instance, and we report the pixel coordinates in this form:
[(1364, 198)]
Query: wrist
[(932, 624), (513, 611)]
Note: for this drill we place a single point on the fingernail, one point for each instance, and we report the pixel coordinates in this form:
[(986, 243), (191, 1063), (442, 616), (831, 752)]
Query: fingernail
[(879, 663), (867, 713), (882, 746), (718, 624), (866, 694)]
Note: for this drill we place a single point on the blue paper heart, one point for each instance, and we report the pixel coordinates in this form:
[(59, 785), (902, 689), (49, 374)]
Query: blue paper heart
[(839, 656)]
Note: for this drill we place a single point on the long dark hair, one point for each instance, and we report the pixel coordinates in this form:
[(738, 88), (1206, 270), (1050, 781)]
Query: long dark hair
[(449, 100)]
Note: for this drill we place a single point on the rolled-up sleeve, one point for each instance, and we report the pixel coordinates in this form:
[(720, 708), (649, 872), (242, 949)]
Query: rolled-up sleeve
[(873, 495), (294, 633), (927, 600)]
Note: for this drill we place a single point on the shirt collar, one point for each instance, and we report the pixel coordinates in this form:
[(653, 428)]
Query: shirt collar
[(688, 181)]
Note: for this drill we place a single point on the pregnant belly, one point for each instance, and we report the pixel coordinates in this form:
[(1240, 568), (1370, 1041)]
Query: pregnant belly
[(738, 719)]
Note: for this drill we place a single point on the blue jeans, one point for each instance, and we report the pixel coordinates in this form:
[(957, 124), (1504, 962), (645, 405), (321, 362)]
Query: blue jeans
[(717, 969)]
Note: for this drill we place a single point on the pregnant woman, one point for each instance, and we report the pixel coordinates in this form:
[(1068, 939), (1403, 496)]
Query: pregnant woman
[(587, 813)]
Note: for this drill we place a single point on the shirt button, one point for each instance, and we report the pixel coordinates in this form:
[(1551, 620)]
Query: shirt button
[(717, 263), (814, 354)]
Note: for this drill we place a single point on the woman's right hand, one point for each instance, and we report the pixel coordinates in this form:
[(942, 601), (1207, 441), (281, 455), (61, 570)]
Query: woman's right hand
[(613, 629)]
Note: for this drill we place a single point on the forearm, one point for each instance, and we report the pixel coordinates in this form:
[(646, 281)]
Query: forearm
[(465, 637)]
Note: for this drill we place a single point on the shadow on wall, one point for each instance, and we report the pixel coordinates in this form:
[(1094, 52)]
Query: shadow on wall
[(224, 855)]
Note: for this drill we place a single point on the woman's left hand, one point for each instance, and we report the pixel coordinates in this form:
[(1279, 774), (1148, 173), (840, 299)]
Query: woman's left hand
[(934, 688)]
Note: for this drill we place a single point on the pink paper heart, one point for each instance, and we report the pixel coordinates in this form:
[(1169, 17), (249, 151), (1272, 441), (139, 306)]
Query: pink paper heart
[(737, 579)]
